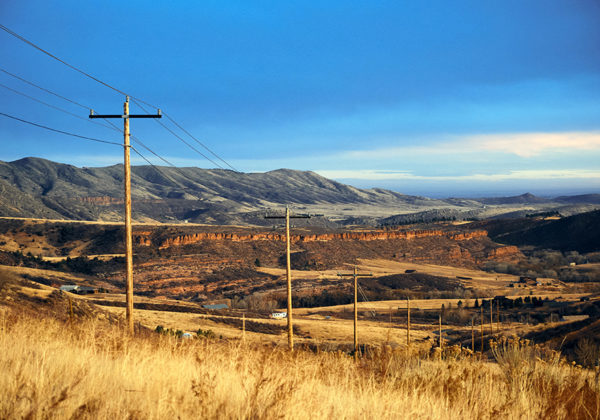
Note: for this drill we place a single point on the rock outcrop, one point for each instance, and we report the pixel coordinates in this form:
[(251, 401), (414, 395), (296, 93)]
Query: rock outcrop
[(504, 253), (345, 236)]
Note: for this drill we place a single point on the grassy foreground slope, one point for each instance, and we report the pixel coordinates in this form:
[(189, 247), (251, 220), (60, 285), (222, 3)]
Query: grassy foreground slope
[(90, 369)]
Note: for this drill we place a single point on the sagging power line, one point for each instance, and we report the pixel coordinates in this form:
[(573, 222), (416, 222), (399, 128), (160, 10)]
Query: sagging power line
[(185, 142), (49, 54), (50, 105), (133, 98), (44, 89), (59, 131), (199, 142), (111, 125), (127, 169)]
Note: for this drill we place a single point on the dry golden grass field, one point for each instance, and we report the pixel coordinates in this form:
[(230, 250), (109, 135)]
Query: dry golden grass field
[(91, 369), (85, 366)]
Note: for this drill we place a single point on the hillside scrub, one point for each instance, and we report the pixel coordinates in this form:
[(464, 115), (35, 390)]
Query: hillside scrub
[(550, 263), (89, 369)]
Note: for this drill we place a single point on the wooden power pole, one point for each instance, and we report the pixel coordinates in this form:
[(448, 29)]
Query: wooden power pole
[(127, 181), (288, 269), (408, 325), (481, 307), (491, 317), (440, 342), (243, 326), (473, 334), (356, 276)]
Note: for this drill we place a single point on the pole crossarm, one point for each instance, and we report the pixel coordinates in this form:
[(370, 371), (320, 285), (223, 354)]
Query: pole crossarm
[(125, 116), (294, 216), (357, 275)]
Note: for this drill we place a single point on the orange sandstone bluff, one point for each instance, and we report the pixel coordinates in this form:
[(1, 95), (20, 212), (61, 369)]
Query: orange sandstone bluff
[(142, 239)]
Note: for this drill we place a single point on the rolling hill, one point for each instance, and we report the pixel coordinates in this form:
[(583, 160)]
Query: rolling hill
[(33, 187), (39, 188), (579, 232)]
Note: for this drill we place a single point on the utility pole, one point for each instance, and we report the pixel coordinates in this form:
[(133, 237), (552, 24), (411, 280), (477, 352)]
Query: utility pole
[(288, 270), (440, 340), (481, 307), (491, 316), (408, 325), (127, 181), (473, 334), (356, 276), (243, 326)]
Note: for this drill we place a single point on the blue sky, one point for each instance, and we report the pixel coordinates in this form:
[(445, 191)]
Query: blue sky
[(425, 97)]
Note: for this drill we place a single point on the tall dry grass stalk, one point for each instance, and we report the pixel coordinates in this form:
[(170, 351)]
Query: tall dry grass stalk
[(91, 370)]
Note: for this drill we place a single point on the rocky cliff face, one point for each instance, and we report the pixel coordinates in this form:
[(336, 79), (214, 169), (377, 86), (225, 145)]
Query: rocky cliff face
[(503, 253), (375, 235)]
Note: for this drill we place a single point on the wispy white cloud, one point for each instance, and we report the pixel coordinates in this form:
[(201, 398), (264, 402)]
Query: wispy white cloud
[(512, 175), (532, 144), (521, 144)]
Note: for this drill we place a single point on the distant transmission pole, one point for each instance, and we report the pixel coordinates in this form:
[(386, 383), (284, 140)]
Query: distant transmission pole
[(356, 276), (288, 269), (128, 235)]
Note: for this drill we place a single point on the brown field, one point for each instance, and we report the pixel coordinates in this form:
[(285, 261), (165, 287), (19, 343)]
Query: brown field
[(489, 284), (316, 328)]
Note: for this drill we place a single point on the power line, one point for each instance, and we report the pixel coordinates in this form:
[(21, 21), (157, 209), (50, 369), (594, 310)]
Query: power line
[(137, 140), (112, 125), (181, 139), (60, 131), (135, 99), (158, 168), (149, 163), (44, 89), (364, 296), (199, 142), (16, 35), (51, 106), (175, 183)]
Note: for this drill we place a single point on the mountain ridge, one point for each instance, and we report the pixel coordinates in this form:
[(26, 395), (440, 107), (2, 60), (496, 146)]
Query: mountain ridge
[(56, 189), (36, 187)]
